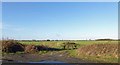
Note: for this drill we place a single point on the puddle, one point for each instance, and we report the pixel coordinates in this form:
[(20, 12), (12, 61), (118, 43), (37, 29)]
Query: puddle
[(48, 62), (53, 62)]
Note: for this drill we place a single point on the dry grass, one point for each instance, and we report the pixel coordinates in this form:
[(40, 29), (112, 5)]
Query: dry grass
[(101, 52)]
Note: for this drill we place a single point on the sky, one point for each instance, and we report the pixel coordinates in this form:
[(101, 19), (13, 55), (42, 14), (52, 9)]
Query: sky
[(60, 20), (0, 21), (60, 0)]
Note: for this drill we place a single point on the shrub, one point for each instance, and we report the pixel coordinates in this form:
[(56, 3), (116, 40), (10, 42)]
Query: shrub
[(11, 46), (31, 49)]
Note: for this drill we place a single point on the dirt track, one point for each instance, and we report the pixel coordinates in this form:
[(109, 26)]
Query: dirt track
[(54, 56)]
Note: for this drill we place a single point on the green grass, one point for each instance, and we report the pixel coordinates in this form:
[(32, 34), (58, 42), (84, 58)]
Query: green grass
[(102, 59), (57, 44)]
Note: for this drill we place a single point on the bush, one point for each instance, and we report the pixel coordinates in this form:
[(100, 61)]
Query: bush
[(34, 48), (11, 46), (31, 49)]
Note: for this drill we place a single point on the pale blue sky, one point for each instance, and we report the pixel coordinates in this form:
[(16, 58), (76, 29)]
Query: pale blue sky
[(60, 0), (40, 20)]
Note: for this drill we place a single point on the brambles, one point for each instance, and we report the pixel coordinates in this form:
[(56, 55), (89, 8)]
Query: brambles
[(35, 48), (11, 46), (30, 49)]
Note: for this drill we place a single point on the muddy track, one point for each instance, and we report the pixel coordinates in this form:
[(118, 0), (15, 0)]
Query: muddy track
[(50, 56)]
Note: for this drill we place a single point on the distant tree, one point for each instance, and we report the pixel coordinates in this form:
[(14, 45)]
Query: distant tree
[(48, 39), (104, 39)]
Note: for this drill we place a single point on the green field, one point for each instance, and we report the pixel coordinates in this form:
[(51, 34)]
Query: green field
[(56, 44)]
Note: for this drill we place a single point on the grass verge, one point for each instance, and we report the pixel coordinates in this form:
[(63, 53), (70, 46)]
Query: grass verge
[(101, 59)]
